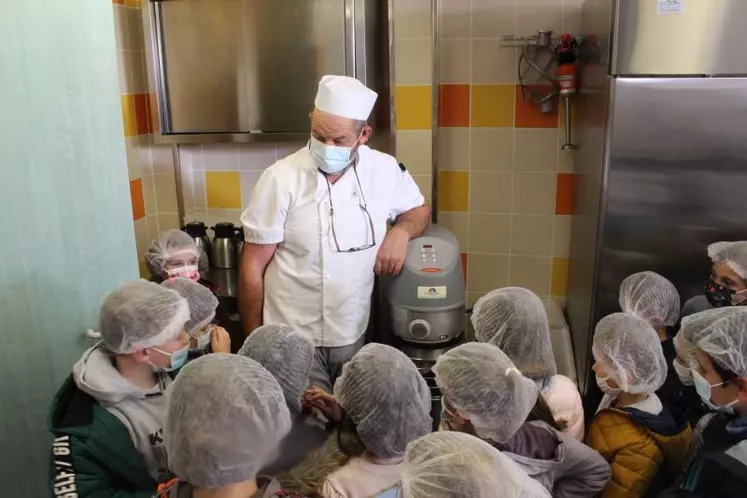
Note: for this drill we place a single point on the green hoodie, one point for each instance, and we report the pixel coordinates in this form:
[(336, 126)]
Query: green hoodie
[(93, 455)]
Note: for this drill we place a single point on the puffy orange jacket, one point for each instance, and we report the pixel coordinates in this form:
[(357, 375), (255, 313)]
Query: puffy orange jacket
[(641, 448)]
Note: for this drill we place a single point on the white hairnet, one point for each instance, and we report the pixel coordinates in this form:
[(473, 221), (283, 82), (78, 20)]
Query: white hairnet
[(139, 315), (168, 245), (287, 354), (386, 398), (734, 254), (202, 302), (630, 351), (481, 383), (652, 297), (514, 319), (226, 416), (685, 350), (457, 465), (722, 334)]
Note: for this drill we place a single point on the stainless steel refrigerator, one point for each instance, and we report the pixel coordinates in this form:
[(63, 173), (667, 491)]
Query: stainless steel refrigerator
[(661, 169)]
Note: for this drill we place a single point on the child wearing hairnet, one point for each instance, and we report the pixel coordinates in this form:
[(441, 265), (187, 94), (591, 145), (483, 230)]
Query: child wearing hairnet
[(485, 395), (380, 404), (515, 320), (718, 362), (226, 415), (288, 355), (174, 254), (727, 284), (456, 465), (645, 443), (655, 299), (205, 337), (108, 416)]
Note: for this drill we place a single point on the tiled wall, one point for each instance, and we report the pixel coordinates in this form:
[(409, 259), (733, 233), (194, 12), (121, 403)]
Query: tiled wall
[(151, 167), (218, 179), (504, 185)]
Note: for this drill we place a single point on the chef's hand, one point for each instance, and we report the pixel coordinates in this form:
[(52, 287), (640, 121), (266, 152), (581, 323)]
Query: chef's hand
[(324, 402), (392, 252), (220, 341)]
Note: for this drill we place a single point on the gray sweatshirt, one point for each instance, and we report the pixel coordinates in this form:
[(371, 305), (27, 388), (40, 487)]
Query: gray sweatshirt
[(141, 411), (564, 466)]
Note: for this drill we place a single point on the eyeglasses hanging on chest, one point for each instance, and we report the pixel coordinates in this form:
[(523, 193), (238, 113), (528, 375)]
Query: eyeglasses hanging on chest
[(370, 238)]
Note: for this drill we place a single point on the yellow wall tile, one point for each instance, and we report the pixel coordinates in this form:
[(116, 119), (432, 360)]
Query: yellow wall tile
[(453, 190), (492, 105), (223, 189), (559, 284), (128, 116), (132, 3), (413, 107)]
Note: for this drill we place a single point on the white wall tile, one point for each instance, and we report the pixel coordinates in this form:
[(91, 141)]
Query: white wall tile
[(220, 157), (255, 157), (248, 180)]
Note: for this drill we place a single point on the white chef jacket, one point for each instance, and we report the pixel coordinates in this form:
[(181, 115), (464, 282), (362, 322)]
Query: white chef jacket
[(308, 284)]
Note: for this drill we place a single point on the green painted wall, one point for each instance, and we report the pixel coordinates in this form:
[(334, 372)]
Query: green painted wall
[(66, 230)]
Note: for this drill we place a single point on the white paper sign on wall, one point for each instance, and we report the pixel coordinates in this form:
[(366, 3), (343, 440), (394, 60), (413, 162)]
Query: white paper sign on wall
[(669, 7)]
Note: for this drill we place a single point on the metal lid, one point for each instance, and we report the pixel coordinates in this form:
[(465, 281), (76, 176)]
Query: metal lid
[(224, 229), (195, 229)]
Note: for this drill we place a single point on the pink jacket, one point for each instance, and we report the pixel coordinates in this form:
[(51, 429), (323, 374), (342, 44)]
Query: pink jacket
[(564, 400)]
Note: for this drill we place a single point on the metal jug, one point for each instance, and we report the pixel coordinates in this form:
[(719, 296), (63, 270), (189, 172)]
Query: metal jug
[(198, 231), (224, 245)]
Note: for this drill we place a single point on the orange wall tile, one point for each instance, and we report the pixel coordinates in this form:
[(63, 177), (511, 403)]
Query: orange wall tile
[(464, 266), (559, 283), (453, 109), (453, 190), (414, 108), (492, 106), (142, 113), (136, 196), (223, 189), (120, 2), (564, 193), (528, 114)]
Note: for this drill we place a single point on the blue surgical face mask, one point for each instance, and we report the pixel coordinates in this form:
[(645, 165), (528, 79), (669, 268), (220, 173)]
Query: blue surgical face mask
[(703, 388), (331, 159), (178, 359)]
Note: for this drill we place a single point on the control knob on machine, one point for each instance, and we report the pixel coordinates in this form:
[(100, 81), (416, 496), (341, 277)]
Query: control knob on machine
[(419, 329)]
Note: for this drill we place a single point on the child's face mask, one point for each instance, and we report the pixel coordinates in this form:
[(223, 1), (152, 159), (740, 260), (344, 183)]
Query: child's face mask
[(717, 295), (203, 340), (606, 388)]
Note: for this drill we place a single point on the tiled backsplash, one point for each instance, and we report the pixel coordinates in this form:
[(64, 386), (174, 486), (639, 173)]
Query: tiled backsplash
[(504, 185), (219, 178), (151, 167)]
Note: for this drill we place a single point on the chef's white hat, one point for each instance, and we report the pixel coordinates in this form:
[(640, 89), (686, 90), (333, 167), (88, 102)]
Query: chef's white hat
[(345, 96)]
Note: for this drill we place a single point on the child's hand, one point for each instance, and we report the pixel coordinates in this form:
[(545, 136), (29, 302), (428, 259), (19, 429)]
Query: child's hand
[(324, 402), (220, 341)]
